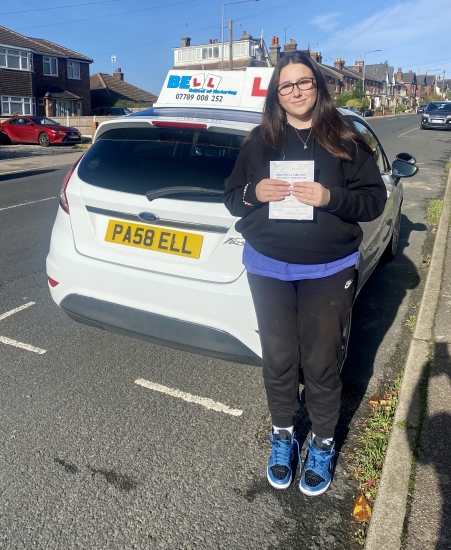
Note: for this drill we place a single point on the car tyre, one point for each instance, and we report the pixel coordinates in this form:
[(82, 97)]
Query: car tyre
[(4, 138), (390, 252), (44, 140)]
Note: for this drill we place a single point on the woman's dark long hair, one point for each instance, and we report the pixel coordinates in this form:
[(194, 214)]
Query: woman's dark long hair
[(329, 127)]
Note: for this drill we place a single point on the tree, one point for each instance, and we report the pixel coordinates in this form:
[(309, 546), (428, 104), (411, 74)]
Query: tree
[(358, 92), (342, 99), (432, 97), (361, 104)]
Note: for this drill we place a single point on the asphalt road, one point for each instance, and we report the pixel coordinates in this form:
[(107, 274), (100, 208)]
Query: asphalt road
[(90, 459)]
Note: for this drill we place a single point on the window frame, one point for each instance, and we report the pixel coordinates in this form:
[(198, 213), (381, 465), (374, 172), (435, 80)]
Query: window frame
[(25, 101), (49, 61), (6, 53), (383, 155), (71, 63)]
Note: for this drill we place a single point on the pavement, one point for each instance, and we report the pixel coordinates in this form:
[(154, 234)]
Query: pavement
[(413, 504), (412, 510), (41, 162)]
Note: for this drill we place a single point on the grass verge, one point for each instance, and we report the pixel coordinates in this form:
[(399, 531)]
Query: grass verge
[(369, 456), (434, 211)]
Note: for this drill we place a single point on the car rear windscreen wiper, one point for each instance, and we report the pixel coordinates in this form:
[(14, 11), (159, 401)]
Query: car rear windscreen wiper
[(151, 195)]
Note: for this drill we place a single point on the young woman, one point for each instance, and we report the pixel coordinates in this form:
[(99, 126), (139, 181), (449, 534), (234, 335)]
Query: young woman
[(302, 273)]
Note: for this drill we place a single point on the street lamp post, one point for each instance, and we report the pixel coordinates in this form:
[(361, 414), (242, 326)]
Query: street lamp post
[(364, 65), (222, 24)]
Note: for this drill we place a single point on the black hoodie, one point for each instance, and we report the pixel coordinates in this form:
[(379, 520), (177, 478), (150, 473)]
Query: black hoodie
[(357, 194)]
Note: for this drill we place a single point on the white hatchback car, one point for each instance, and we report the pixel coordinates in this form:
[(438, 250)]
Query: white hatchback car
[(143, 246)]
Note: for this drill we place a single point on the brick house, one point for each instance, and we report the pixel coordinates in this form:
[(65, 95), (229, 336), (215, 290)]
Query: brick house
[(413, 89), (107, 89), (38, 77)]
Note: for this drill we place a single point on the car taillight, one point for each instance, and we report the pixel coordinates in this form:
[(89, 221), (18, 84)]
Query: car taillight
[(63, 199)]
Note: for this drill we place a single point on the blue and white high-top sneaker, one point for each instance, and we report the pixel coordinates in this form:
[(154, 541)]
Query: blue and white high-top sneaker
[(280, 465), (319, 467)]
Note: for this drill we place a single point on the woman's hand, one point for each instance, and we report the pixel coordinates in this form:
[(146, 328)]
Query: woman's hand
[(272, 190), (311, 192)]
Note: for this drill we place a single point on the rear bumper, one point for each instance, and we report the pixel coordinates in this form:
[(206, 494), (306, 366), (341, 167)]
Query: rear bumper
[(157, 329), (212, 319)]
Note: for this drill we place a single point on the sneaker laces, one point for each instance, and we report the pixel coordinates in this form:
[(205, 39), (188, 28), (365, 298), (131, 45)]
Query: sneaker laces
[(282, 454), (317, 465)]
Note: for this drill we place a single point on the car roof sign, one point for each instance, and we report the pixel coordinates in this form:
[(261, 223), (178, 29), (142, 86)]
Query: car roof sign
[(242, 90)]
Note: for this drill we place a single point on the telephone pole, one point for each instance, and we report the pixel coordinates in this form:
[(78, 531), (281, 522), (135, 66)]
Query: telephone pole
[(231, 44)]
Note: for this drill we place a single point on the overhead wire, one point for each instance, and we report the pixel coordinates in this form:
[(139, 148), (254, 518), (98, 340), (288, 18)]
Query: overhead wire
[(105, 16), (364, 29), (15, 12)]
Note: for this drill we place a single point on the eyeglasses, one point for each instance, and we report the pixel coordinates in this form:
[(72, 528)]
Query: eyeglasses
[(303, 84)]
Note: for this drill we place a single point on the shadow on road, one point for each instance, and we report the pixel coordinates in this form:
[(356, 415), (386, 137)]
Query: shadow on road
[(373, 316)]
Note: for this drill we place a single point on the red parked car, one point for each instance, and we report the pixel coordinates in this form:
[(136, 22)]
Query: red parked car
[(36, 129)]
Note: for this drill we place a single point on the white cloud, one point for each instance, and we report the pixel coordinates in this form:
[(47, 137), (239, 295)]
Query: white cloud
[(327, 22)]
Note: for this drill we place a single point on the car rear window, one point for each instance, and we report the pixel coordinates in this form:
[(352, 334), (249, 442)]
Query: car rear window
[(138, 160)]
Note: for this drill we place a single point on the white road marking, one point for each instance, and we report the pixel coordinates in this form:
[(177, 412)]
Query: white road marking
[(25, 203), (204, 401), (408, 132), (9, 313), (21, 345)]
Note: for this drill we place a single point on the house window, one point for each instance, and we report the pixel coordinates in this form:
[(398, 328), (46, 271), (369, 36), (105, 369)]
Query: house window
[(63, 107), (73, 70), (19, 105), (51, 66), (79, 109), (16, 59), (239, 50), (210, 53)]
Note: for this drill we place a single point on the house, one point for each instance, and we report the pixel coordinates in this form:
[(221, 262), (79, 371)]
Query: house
[(107, 89), (38, 77), (413, 89), (384, 73), (247, 51), (443, 87)]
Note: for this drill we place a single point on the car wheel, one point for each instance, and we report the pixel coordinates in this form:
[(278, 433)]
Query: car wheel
[(44, 140), (390, 251), (4, 138)]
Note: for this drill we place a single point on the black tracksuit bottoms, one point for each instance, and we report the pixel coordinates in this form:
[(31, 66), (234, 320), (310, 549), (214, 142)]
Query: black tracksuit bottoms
[(301, 325)]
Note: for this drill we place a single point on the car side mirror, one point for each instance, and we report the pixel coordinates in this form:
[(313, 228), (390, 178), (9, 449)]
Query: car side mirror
[(406, 157), (30, 124), (403, 169)]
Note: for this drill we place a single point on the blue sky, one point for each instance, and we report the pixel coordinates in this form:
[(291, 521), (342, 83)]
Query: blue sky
[(412, 34)]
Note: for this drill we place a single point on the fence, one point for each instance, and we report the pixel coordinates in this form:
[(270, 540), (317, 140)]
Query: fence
[(82, 123)]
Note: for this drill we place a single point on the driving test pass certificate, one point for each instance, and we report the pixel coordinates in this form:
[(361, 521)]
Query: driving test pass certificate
[(290, 208)]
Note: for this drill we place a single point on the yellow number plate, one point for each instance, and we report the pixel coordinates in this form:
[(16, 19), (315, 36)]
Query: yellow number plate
[(150, 237)]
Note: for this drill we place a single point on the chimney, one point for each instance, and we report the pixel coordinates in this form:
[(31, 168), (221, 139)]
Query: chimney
[(291, 46), (358, 66), (245, 36), (186, 41), (339, 63), (399, 75), (119, 74), (410, 70), (274, 50), (316, 56)]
